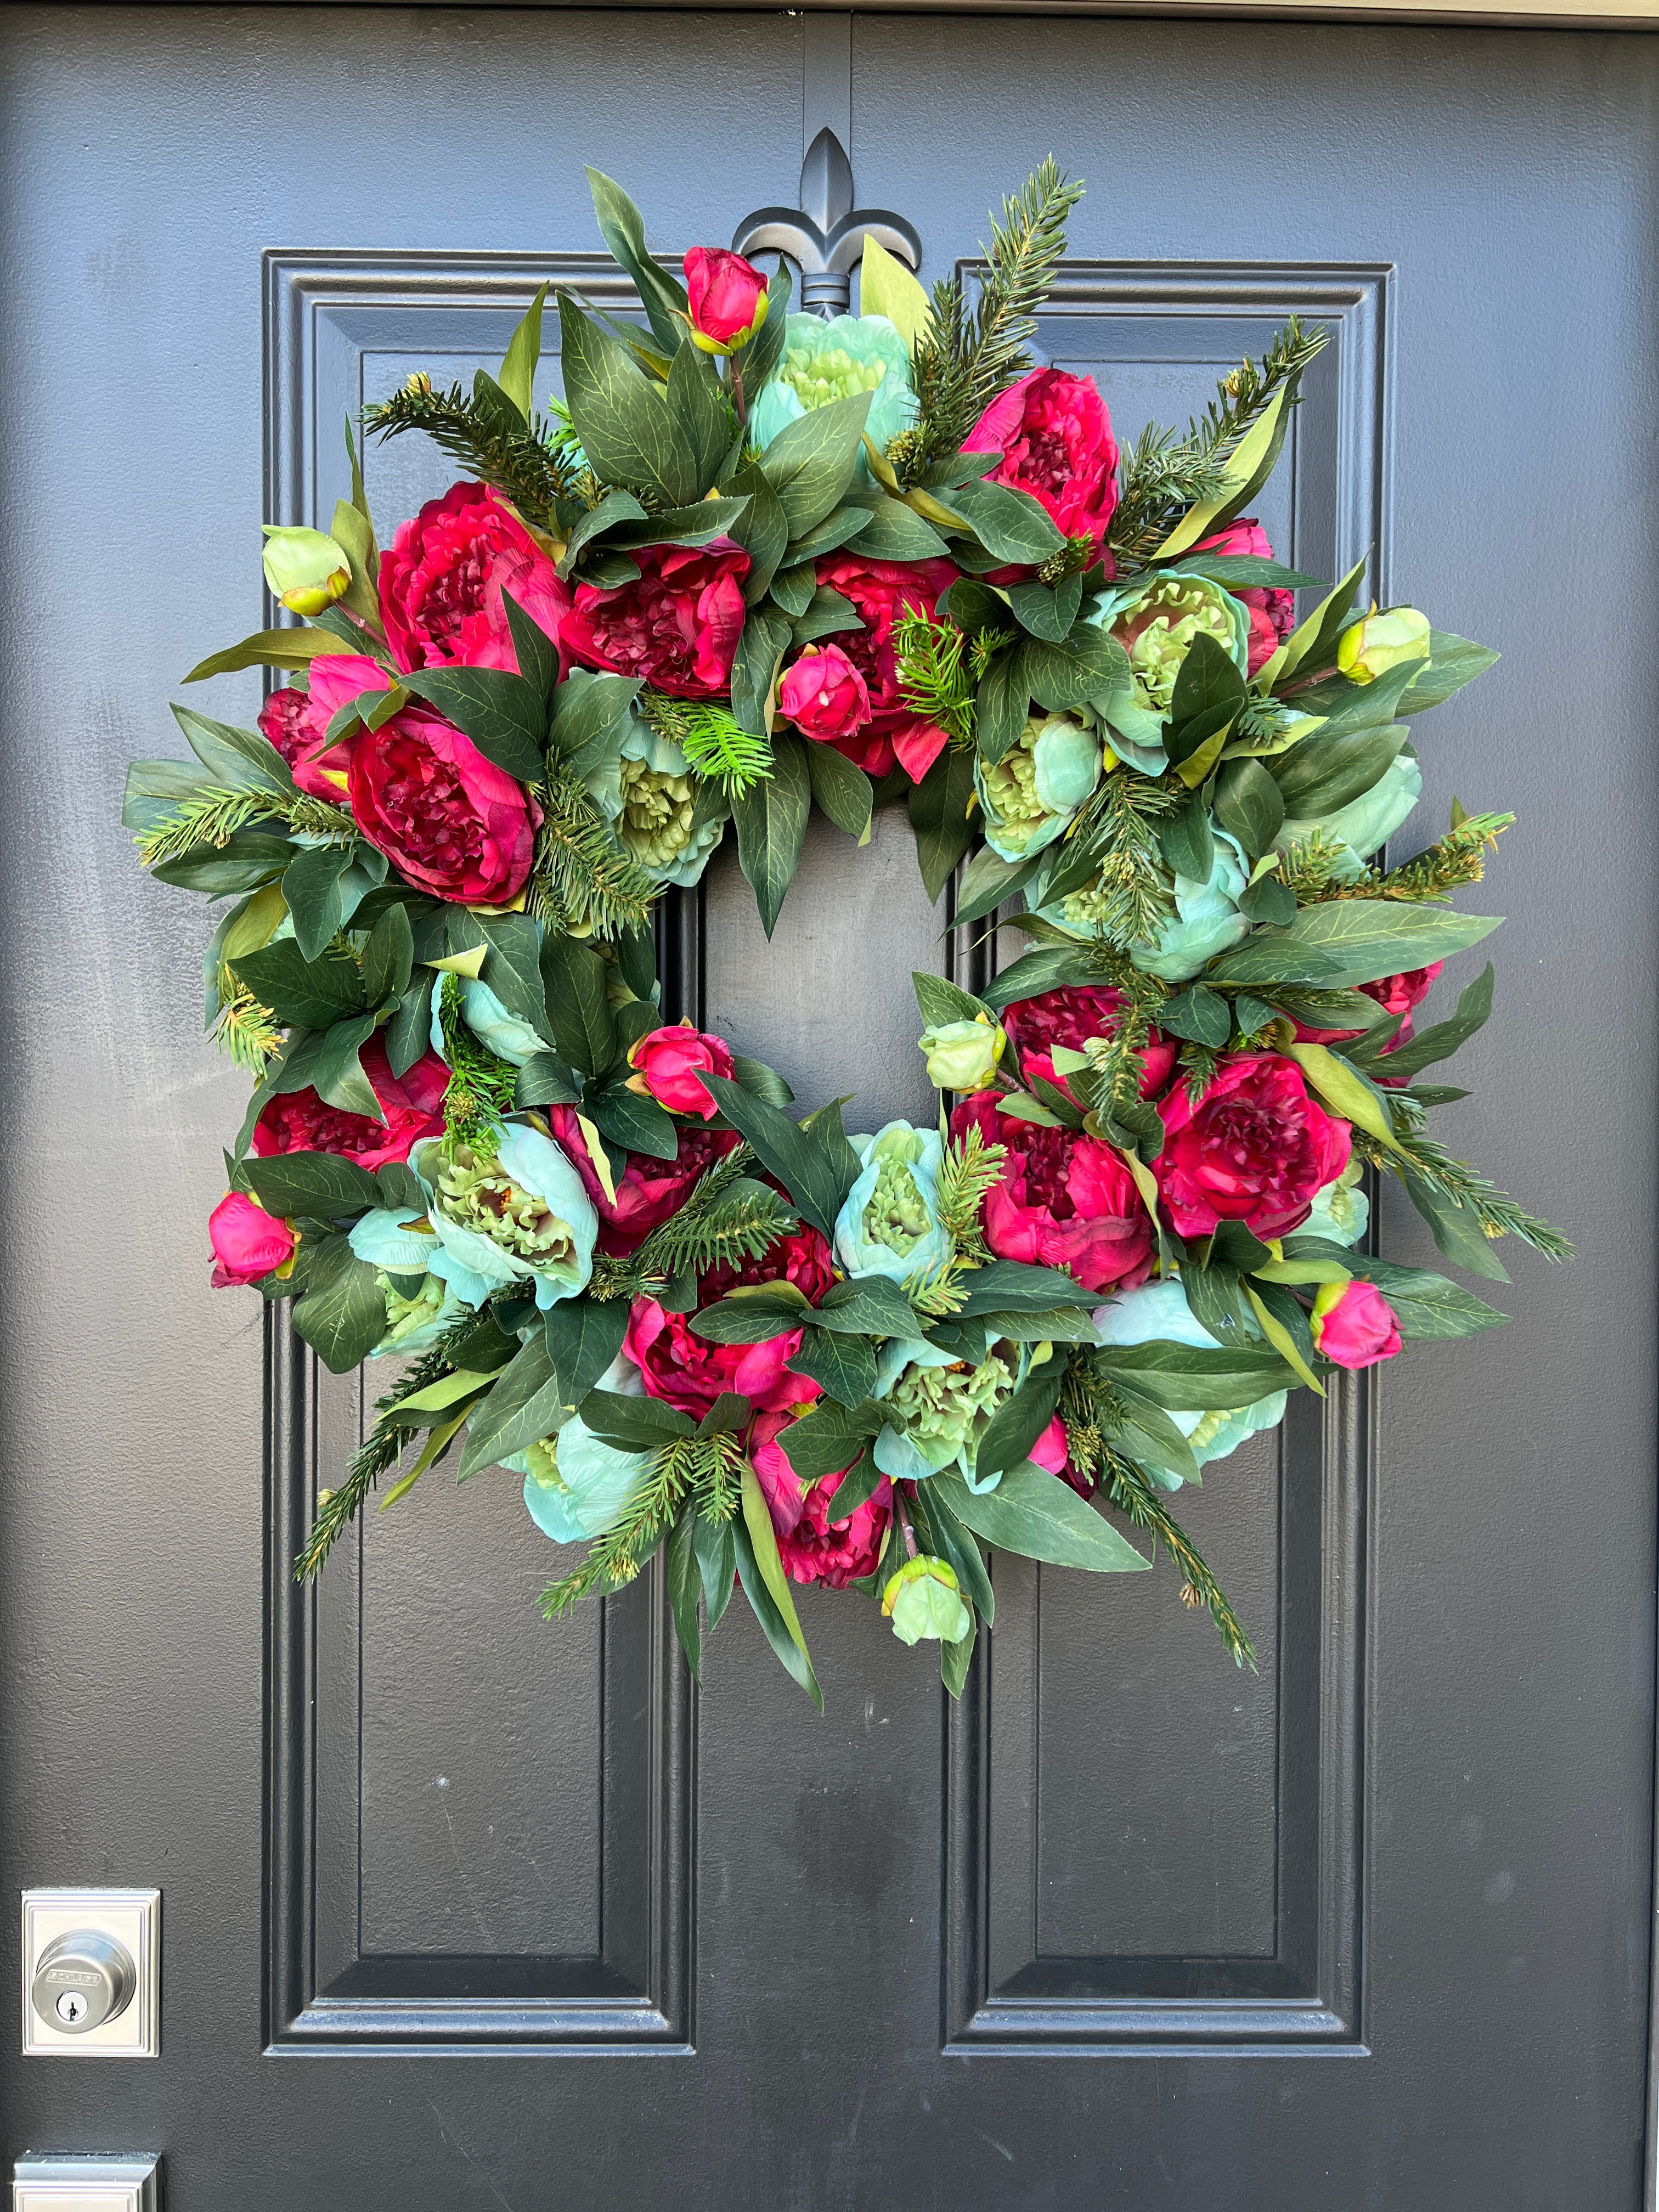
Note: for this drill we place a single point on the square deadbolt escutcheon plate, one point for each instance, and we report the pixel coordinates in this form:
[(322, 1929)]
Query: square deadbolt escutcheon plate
[(132, 1918)]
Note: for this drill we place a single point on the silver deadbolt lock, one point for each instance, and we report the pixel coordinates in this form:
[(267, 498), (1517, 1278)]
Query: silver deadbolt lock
[(81, 1980)]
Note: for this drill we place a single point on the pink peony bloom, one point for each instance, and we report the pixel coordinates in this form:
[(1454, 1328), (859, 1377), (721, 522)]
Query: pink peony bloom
[(811, 1545), (676, 625), (1062, 1200), (1256, 1148), (248, 1242), (1358, 1328), (452, 822), (442, 577), (1071, 1017), (296, 722), (724, 293), (670, 1062), (299, 1121), (1055, 438), (688, 1370), (1272, 612), (649, 1189), (892, 733), (824, 695)]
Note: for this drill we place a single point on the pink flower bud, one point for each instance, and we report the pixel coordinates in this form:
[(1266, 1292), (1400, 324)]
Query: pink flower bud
[(824, 695), (669, 1063), (247, 1242), (727, 298), (1354, 1325)]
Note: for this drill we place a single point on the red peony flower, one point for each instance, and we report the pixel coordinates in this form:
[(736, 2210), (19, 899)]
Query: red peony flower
[(247, 1242), (824, 695), (687, 1370), (1359, 1328), (1062, 1201), (670, 1062), (883, 591), (1071, 1017), (1256, 1149), (812, 1548), (442, 577), (299, 1121), (1395, 995), (1272, 613), (296, 722), (725, 295), (649, 1189), (1055, 438), (676, 625), (452, 821)]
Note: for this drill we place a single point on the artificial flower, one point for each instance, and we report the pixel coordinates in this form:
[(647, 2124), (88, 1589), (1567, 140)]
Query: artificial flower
[(688, 1370), (1034, 791), (676, 626), (823, 361), (882, 593), (962, 1055), (726, 296), (1378, 643), (888, 1225), (1156, 620), (521, 1216), (1354, 1324), (248, 1243), (306, 570), (938, 1408), (1271, 609), (649, 1190), (1054, 435), (1061, 1201), (814, 1544), (451, 821), (442, 577), (669, 1064), (1075, 1016), (824, 695), (301, 1122), (924, 1600), (1255, 1147), (1157, 1313)]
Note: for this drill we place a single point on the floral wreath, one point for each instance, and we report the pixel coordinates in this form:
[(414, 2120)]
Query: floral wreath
[(752, 563)]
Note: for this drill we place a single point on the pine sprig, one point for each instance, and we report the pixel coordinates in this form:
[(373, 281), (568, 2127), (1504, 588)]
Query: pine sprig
[(705, 1468), (1166, 474), (1131, 899), (1135, 1497), (717, 1226), (969, 1171), (214, 816), (713, 740), (537, 476), (963, 359), (378, 1454), (581, 877), (1497, 1214), (482, 1086), (1114, 1062), (939, 670), (244, 1029), (1459, 858)]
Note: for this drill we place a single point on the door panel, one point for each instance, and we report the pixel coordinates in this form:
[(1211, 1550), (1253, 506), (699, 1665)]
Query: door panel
[(1101, 1935)]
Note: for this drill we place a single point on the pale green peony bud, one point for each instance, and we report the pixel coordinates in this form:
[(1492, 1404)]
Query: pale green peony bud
[(963, 1056), (1369, 648), (924, 1600), (306, 569)]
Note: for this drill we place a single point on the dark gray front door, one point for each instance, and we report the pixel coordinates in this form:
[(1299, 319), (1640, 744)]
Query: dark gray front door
[(463, 1909)]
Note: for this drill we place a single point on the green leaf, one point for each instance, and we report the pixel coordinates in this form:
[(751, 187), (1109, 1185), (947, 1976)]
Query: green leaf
[(955, 1659), (938, 1000), (953, 1542), (1248, 572), (322, 889), (1010, 524), (1089, 665), (1187, 1379), (1246, 469), (583, 1337), (1020, 1420), (844, 1365), (1349, 941), (805, 1164), (785, 1642), (312, 994), (1209, 684), (240, 760), (771, 823), (1267, 899), (342, 1315), (810, 463), (717, 1563), (512, 967), (538, 655), (840, 791), (587, 711), (503, 714), (634, 1424), (1453, 662), (1146, 1432), (1456, 1229), (1327, 771), (698, 405), (988, 881), (764, 1550), (940, 818), (765, 639), (638, 1125), (1204, 1016), (831, 1437), (685, 1586), (622, 416), (527, 1403), (764, 351), (388, 963), (1249, 804), (887, 287), (321, 1184), (267, 649), (337, 1071), (1035, 1513), (897, 532), (623, 230), (827, 613), (1281, 1331), (762, 1081), (1345, 1090), (837, 526), (579, 1013), (517, 375), (544, 1080), (1440, 1040), (867, 1305), (1046, 970), (793, 587), (1020, 1289), (1001, 704), (763, 532)]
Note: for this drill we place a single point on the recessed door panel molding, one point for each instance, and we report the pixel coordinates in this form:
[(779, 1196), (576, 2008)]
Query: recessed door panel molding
[(1110, 1885), (479, 1824)]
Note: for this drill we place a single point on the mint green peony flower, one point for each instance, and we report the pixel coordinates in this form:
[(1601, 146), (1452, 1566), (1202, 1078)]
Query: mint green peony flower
[(887, 1225), (937, 1409), (1207, 919), (1365, 823), (1155, 621), (823, 361), (524, 1216), (505, 1036), (575, 1485), (1035, 790), (405, 1255), (1157, 1313)]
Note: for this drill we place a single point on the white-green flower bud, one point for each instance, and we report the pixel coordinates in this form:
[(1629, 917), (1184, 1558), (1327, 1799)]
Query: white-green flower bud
[(1369, 648), (963, 1056), (306, 570), (924, 1600)]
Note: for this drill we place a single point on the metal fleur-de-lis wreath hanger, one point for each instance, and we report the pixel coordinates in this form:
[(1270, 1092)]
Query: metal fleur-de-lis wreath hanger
[(825, 237)]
